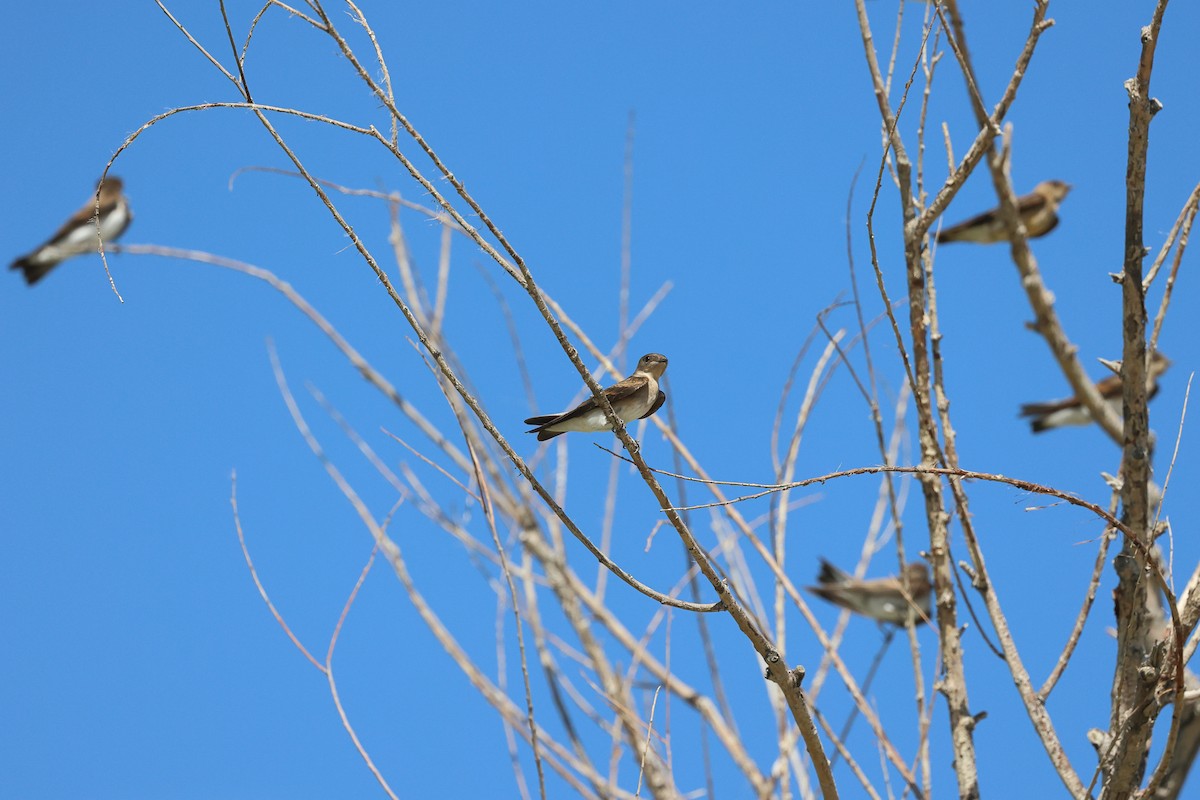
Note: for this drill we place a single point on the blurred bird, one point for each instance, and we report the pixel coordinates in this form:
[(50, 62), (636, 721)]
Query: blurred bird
[(636, 397), (882, 599), (1072, 411), (1038, 210), (78, 234)]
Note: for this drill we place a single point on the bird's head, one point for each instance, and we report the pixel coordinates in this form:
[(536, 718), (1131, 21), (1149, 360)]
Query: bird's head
[(1054, 190), (653, 364), (918, 577), (1158, 364), (110, 186)]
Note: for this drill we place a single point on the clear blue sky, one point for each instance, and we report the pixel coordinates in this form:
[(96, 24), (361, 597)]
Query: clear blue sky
[(139, 660)]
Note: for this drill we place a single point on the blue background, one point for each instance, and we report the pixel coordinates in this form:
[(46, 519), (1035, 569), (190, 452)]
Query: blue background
[(139, 659)]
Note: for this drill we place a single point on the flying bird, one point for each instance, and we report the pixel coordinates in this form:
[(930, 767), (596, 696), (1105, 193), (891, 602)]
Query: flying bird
[(1038, 210), (881, 599), (78, 234), (1072, 411), (636, 397)]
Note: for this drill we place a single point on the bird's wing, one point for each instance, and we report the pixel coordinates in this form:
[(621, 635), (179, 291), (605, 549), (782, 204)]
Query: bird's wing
[(82, 217), (617, 391), (1110, 387), (658, 401), (1031, 203), (1027, 204), (626, 388), (880, 587), (978, 220)]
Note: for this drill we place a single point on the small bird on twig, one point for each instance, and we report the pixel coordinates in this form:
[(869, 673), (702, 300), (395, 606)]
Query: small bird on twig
[(636, 397), (881, 599), (1072, 411), (1038, 210), (78, 234)]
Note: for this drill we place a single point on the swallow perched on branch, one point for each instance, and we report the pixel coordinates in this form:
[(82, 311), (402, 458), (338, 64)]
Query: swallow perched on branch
[(882, 599), (1038, 210), (78, 234), (1072, 411), (636, 397)]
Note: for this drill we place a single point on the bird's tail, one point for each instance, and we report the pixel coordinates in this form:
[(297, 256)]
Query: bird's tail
[(948, 235), (33, 271), (1038, 411), (825, 592), (538, 422), (831, 574), (1035, 409)]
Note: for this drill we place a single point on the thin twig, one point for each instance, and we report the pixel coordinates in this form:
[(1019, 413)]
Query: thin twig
[(262, 590)]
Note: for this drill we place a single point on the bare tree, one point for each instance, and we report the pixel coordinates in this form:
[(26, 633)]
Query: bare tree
[(592, 708)]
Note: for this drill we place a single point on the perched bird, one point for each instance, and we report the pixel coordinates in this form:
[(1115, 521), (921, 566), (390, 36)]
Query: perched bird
[(636, 397), (1038, 210), (78, 234), (1072, 411), (882, 599)]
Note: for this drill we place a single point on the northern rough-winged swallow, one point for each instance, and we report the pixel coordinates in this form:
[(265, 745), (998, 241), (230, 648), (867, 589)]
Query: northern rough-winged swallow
[(636, 397), (1038, 210), (1072, 411), (882, 599), (78, 234)]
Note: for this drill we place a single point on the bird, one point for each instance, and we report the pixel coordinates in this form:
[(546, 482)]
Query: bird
[(881, 599), (1072, 411), (635, 397), (78, 234), (1038, 210)]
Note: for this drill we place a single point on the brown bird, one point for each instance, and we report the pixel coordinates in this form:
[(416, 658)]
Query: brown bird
[(1072, 411), (882, 599), (1038, 210), (636, 397), (78, 234)]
